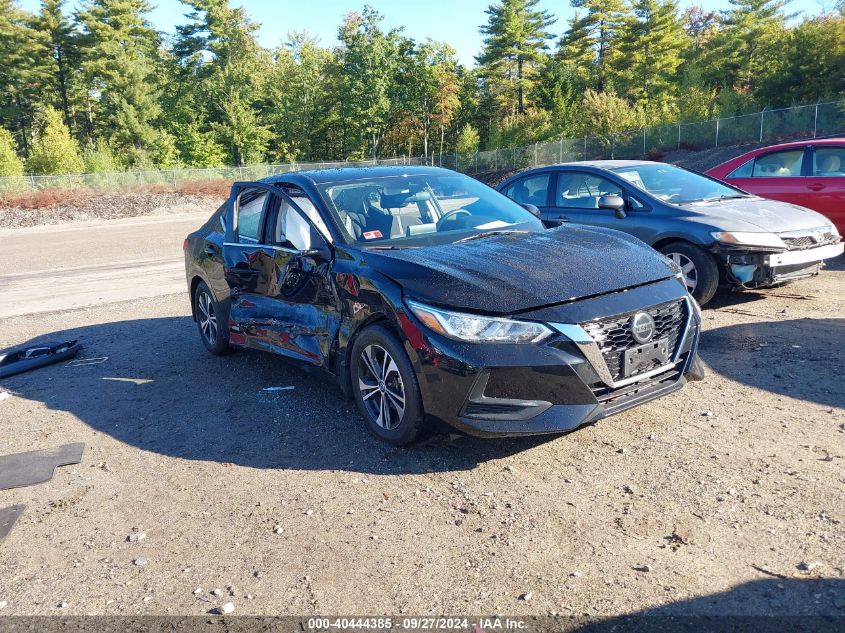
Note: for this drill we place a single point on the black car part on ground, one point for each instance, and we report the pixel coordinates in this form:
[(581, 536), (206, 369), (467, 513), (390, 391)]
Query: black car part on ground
[(35, 467), (21, 359)]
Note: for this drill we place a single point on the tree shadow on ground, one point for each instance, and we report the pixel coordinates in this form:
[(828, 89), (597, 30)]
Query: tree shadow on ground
[(800, 358), (770, 605), (161, 391)]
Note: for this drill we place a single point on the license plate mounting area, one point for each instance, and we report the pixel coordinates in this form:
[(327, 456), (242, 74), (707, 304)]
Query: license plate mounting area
[(643, 358)]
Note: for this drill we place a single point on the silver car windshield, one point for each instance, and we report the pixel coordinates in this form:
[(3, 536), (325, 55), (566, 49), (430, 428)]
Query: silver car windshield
[(418, 210), (675, 185)]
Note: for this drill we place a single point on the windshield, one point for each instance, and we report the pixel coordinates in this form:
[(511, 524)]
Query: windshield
[(421, 210), (675, 185)]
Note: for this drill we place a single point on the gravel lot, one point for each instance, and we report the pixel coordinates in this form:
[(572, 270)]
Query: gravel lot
[(725, 497)]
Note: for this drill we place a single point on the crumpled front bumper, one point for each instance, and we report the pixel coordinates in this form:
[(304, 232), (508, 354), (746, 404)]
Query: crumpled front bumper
[(759, 269)]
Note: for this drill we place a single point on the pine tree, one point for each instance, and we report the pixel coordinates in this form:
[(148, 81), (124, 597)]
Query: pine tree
[(651, 50), (217, 50), (747, 43), (601, 27), (61, 42), (577, 52), (514, 46), (119, 49), (22, 72)]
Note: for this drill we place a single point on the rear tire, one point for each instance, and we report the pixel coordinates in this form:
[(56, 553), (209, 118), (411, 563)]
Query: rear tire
[(701, 273), (211, 322), (385, 387)]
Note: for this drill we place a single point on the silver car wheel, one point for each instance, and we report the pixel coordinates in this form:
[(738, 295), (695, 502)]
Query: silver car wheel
[(381, 387), (687, 268), (207, 318)]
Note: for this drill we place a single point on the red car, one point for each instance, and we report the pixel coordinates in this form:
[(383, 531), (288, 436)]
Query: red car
[(807, 173)]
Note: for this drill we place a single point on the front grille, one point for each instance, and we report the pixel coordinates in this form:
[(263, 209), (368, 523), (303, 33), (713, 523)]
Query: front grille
[(808, 241), (613, 334)]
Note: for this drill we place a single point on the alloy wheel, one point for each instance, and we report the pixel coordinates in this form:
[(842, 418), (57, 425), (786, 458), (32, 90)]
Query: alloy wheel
[(687, 268), (381, 387), (207, 318)]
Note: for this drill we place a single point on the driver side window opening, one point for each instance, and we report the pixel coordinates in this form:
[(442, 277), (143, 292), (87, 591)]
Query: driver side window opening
[(583, 191)]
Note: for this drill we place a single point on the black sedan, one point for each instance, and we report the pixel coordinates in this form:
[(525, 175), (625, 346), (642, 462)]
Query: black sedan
[(433, 298)]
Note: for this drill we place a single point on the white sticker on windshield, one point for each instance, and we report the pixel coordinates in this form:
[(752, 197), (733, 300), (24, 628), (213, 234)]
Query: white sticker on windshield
[(495, 224)]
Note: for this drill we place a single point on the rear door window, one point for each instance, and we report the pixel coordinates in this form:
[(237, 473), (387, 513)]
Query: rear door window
[(784, 164), (250, 206), (829, 161), (576, 190), (531, 190)]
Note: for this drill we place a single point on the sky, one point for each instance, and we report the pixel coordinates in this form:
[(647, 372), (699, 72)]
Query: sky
[(455, 22)]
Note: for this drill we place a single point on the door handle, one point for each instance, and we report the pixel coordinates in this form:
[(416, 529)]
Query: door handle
[(817, 186)]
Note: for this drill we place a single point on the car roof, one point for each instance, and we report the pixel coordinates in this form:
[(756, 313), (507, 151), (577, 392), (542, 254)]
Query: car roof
[(350, 174), (804, 143)]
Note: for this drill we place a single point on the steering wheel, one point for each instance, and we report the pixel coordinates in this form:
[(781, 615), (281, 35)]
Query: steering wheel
[(451, 215)]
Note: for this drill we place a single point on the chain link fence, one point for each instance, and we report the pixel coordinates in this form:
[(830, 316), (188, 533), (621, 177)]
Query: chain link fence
[(810, 121), (768, 126)]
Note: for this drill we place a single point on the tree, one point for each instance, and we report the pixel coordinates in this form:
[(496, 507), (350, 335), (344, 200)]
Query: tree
[(10, 162), (748, 45), (467, 144), (600, 29), (514, 47), (217, 50), (367, 59), (576, 52), (61, 41), (55, 151), (651, 50), (119, 48), (23, 73), (604, 114)]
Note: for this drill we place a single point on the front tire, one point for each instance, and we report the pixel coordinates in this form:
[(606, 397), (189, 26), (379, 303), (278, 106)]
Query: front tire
[(701, 274), (385, 387), (211, 321)]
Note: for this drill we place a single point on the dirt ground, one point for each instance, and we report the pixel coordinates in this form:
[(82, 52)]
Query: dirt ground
[(724, 497)]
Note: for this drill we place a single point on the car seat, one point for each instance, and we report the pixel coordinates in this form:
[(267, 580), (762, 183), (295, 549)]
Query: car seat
[(831, 166)]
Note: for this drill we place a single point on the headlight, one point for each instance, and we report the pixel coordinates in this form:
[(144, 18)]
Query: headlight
[(760, 240), (478, 329)]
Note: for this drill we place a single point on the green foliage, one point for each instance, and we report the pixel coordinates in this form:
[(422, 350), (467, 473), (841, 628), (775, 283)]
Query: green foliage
[(604, 114), (10, 163), (99, 158), (468, 141), (95, 74), (55, 151)]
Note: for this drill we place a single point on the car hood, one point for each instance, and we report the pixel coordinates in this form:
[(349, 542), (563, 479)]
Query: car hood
[(757, 214), (506, 274)]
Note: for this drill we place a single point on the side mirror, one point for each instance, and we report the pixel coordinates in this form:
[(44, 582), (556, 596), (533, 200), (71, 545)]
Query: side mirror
[(532, 209), (320, 254), (615, 204)]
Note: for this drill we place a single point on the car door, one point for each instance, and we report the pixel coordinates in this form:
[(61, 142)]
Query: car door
[(775, 175), (277, 264), (576, 198), (825, 187)]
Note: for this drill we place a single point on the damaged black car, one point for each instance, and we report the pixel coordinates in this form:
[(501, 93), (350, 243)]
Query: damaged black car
[(433, 299)]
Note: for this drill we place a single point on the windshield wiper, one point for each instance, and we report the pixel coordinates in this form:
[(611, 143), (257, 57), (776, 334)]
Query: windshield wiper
[(478, 236), (389, 248)]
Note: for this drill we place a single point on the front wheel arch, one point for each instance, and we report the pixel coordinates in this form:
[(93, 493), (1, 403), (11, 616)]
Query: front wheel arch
[(706, 267)]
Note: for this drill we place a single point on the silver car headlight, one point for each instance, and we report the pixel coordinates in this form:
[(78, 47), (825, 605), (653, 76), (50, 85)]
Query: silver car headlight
[(478, 329), (759, 240)]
